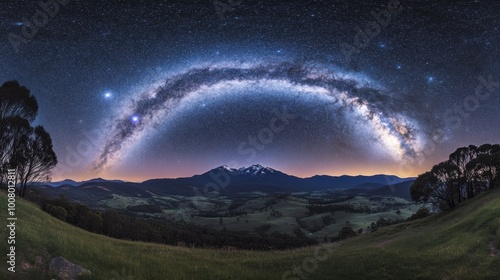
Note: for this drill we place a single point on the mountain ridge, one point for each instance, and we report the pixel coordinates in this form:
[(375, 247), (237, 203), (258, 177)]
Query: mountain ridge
[(254, 170), (229, 181)]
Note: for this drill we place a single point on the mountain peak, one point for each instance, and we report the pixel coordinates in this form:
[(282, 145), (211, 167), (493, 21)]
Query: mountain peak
[(224, 168), (98, 179), (255, 169)]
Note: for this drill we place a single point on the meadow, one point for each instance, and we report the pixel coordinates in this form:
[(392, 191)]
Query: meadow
[(452, 245)]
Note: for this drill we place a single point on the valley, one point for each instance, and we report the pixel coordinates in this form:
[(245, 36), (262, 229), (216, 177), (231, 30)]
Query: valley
[(461, 239), (254, 199)]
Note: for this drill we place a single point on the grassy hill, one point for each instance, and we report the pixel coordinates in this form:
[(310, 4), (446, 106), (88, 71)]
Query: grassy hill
[(453, 245)]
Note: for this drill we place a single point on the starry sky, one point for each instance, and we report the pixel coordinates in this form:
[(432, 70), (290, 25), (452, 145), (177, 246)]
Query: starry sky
[(151, 89)]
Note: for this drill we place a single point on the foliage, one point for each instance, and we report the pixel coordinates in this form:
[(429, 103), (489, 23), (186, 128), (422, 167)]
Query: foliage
[(451, 245), (421, 213), (57, 211), (130, 227), (22, 147), (145, 208), (468, 172), (346, 232)]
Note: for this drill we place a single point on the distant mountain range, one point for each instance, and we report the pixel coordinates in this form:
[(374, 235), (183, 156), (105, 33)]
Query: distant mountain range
[(69, 182), (230, 181)]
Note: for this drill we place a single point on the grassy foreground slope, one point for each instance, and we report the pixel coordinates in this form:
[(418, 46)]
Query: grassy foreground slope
[(453, 245)]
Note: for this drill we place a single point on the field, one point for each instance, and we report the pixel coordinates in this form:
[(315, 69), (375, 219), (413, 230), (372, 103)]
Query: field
[(453, 245), (278, 214)]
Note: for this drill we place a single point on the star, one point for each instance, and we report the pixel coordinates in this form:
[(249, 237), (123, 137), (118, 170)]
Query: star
[(135, 119), (169, 75), (380, 122)]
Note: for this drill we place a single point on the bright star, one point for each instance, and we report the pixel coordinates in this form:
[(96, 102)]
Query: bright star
[(135, 119), (108, 95)]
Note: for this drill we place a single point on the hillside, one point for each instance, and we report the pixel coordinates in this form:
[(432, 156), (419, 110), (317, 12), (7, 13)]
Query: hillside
[(231, 182), (453, 245)]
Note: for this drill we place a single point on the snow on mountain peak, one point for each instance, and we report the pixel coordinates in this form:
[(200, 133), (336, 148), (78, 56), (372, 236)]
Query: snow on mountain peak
[(225, 168), (253, 170), (256, 169)]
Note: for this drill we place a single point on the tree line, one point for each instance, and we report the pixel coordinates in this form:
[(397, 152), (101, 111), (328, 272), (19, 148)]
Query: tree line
[(126, 225), (23, 147), (467, 172)]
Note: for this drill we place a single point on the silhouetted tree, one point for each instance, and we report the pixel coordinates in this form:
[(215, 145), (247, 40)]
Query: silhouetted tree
[(58, 212), (468, 171), (485, 167), (17, 109), (37, 160), (346, 232), (16, 100), (22, 147), (421, 213), (460, 158), (93, 222), (112, 223), (14, 134)]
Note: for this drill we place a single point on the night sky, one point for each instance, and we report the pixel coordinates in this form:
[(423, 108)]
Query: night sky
[(146, 89)]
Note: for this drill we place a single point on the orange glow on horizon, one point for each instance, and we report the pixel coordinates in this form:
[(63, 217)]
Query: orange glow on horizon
[(294, 171)]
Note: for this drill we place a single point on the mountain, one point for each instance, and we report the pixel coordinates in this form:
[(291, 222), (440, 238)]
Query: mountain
[(347, 182), (67, 182), (265, 176), (72, 183), (227, 181), (401, 190), (101, 180), (253, 170), (255, 178)]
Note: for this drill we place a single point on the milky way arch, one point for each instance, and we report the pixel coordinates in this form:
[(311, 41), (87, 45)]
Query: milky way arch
[(395, 131)]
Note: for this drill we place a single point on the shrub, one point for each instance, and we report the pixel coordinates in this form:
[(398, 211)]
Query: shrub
[(58, 212), (421, 213), (346, 232)]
